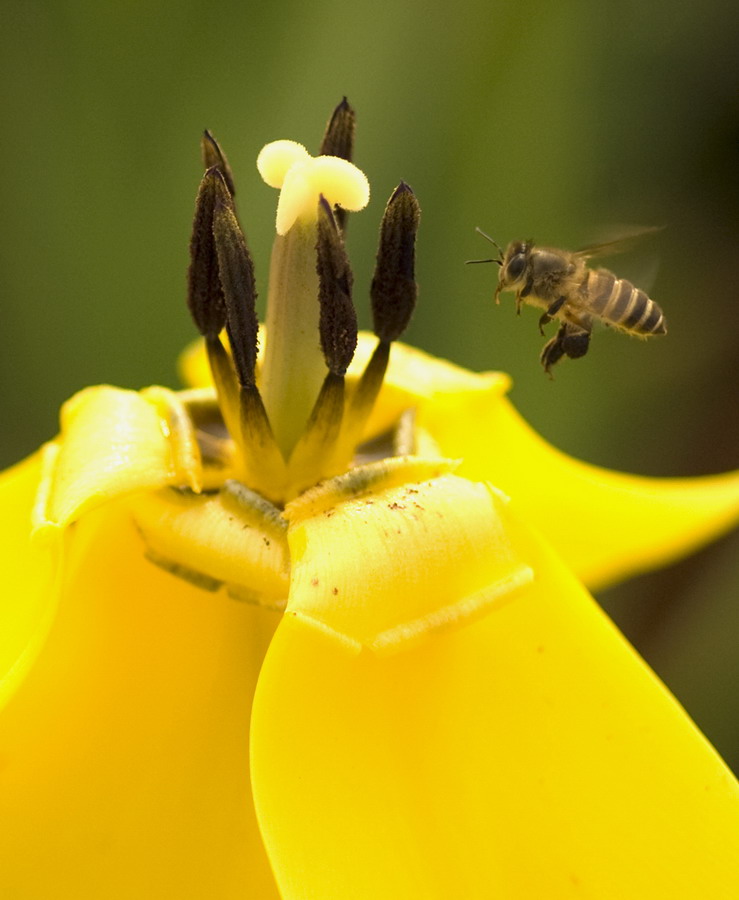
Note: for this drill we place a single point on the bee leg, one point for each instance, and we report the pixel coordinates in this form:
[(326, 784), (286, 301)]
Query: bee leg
[(551, 312), (576, 342), (553, 350), (523, 293)]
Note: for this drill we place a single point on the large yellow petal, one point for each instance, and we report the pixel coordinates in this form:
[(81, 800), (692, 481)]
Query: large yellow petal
[(528, 754), (606, 525), (125, 750), (112, 442), (232, 538), (385, 515), (29, 571)]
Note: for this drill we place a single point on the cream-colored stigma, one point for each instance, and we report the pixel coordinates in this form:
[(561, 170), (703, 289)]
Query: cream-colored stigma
[(302, 178)]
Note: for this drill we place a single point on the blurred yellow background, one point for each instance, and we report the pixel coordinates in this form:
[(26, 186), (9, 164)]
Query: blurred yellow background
[(556, 121)]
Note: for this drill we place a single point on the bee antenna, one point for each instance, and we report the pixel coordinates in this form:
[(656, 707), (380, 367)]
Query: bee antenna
[(488, 238)]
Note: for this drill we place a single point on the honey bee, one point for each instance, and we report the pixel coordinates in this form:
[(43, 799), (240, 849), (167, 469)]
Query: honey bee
[(561, 283)]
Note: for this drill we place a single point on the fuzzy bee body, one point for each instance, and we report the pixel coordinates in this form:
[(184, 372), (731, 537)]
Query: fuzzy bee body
[(561, 283), (619, 303)]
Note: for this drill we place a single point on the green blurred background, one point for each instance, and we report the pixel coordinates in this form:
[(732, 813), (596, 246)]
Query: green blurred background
[(552, 120)]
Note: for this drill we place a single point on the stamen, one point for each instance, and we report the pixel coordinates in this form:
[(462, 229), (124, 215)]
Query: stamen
[(394, 289), (226, 384), (207, 302), (338, 320), (205, 298), (314, 457), (214, 156), (222, 293), (236, 273), (339, 137), (393, 294), (366, 391), (265, 465), (339, 141)]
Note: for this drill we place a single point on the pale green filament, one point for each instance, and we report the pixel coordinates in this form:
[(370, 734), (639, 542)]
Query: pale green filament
[(294, 368)]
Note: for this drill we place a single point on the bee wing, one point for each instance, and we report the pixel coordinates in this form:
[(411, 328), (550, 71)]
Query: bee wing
[(617, 245)]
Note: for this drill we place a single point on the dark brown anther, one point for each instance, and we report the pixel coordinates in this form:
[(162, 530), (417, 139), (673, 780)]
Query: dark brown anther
[(338, 320), (204, 293), (214, 156), (236, 272), (394, 288), (339, 137), (339, 141)]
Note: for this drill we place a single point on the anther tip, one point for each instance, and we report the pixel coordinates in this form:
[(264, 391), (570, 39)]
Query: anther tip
[(215, 177), (213, 156), (402, 188)]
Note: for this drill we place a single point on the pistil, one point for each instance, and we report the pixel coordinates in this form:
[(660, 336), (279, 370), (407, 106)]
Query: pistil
[(293, 369)]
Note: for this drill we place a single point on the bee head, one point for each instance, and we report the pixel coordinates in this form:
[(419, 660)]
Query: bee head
[(514, 264)]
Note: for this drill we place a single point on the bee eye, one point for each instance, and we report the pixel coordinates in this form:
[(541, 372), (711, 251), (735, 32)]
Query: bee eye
[(516, 266)]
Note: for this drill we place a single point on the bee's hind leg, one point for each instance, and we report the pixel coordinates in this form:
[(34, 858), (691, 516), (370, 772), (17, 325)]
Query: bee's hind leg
[(576, 342), (553, 350), (570, 340), (551, 312)]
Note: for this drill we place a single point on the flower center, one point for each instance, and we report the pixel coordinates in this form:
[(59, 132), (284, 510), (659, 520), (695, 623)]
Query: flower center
[(293, 419)]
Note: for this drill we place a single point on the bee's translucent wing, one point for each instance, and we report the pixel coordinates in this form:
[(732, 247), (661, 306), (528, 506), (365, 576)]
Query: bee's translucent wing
[(620, 244)]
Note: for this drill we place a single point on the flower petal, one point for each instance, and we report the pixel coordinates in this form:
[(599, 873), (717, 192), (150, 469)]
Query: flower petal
[(193, 367), (112, 442), (528, 754), (399, 510), (29, 570), (231, 537), (125, 750), (606, 525)]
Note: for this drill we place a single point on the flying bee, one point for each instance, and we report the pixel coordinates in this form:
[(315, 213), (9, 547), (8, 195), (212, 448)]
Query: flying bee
[(561, 283)]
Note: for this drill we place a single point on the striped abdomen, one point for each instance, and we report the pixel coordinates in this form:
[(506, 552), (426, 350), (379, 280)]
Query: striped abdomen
[(619, 303)]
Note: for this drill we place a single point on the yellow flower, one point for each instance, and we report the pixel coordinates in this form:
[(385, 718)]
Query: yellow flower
[(324, 643)]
